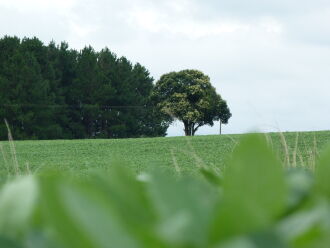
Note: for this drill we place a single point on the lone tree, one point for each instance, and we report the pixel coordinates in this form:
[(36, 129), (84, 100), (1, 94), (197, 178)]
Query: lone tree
[(189, 97)]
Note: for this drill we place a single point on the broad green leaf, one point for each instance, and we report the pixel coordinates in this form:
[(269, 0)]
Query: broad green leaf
[(41, 238), (237, 242), (315, 237), (17, 203), (130, 202), (322, 174), (300, 182), (7, 243), (184, 206), (308, 227), (255, 192), (211, 176), (269, 239), (264, 239), (81, 215)]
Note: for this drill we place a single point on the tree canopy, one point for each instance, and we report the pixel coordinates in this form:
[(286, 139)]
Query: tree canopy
[(189, 97), (54, 92)]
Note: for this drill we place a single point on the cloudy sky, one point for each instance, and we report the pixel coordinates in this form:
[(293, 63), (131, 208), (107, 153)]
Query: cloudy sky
[(270, 59)]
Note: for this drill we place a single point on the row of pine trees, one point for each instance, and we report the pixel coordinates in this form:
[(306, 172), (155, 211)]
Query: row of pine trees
[(54, 92)]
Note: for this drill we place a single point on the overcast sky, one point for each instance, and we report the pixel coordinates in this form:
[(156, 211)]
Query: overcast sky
[(270, 59)]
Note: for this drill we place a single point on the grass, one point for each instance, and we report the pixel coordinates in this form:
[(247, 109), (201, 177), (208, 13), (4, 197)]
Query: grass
[(181, 154)]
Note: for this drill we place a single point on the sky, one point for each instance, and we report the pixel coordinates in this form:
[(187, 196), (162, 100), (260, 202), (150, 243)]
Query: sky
[(270, 59)]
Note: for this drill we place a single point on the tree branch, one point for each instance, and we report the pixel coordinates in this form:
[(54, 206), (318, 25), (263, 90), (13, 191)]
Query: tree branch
[(195, 129)]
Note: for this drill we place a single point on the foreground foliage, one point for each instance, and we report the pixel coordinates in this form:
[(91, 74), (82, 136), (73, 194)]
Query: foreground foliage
[(256, 203)]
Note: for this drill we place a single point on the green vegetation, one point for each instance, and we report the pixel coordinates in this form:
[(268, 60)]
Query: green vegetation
[(189, 97), (53, 92), (185, 154), (227, 191), (256, 202)]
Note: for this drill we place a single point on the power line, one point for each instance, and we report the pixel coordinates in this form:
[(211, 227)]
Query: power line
[(75, 106)]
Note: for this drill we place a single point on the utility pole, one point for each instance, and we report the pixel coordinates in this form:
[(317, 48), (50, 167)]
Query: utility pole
[(220, 127)]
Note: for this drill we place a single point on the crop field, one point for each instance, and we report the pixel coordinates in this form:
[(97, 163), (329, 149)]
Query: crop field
[(256, 202), (180, 154)]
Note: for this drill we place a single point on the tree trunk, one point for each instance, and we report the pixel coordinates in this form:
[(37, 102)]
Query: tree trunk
[(194, 129), (188, 128)]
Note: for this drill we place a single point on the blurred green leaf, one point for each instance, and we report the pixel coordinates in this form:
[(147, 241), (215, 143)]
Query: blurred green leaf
[(269, 239), (41, 238), (211, 176), (322, 174), (254, 191), (237, 242), (184, 206), (315, 237), (17, 204), (7, 243), (300, 183), (306, 226), (130, 202), (81, 215)]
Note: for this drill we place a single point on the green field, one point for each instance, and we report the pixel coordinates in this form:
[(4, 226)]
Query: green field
[(255, 203), (184, 154)]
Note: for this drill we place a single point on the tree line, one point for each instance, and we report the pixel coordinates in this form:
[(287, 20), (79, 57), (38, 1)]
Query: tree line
[(54, 92)]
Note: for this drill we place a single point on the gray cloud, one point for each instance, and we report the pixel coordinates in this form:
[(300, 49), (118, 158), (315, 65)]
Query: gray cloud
[(269, 59)]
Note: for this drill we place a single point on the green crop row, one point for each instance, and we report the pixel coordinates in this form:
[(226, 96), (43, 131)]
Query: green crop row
[(184, 154)]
